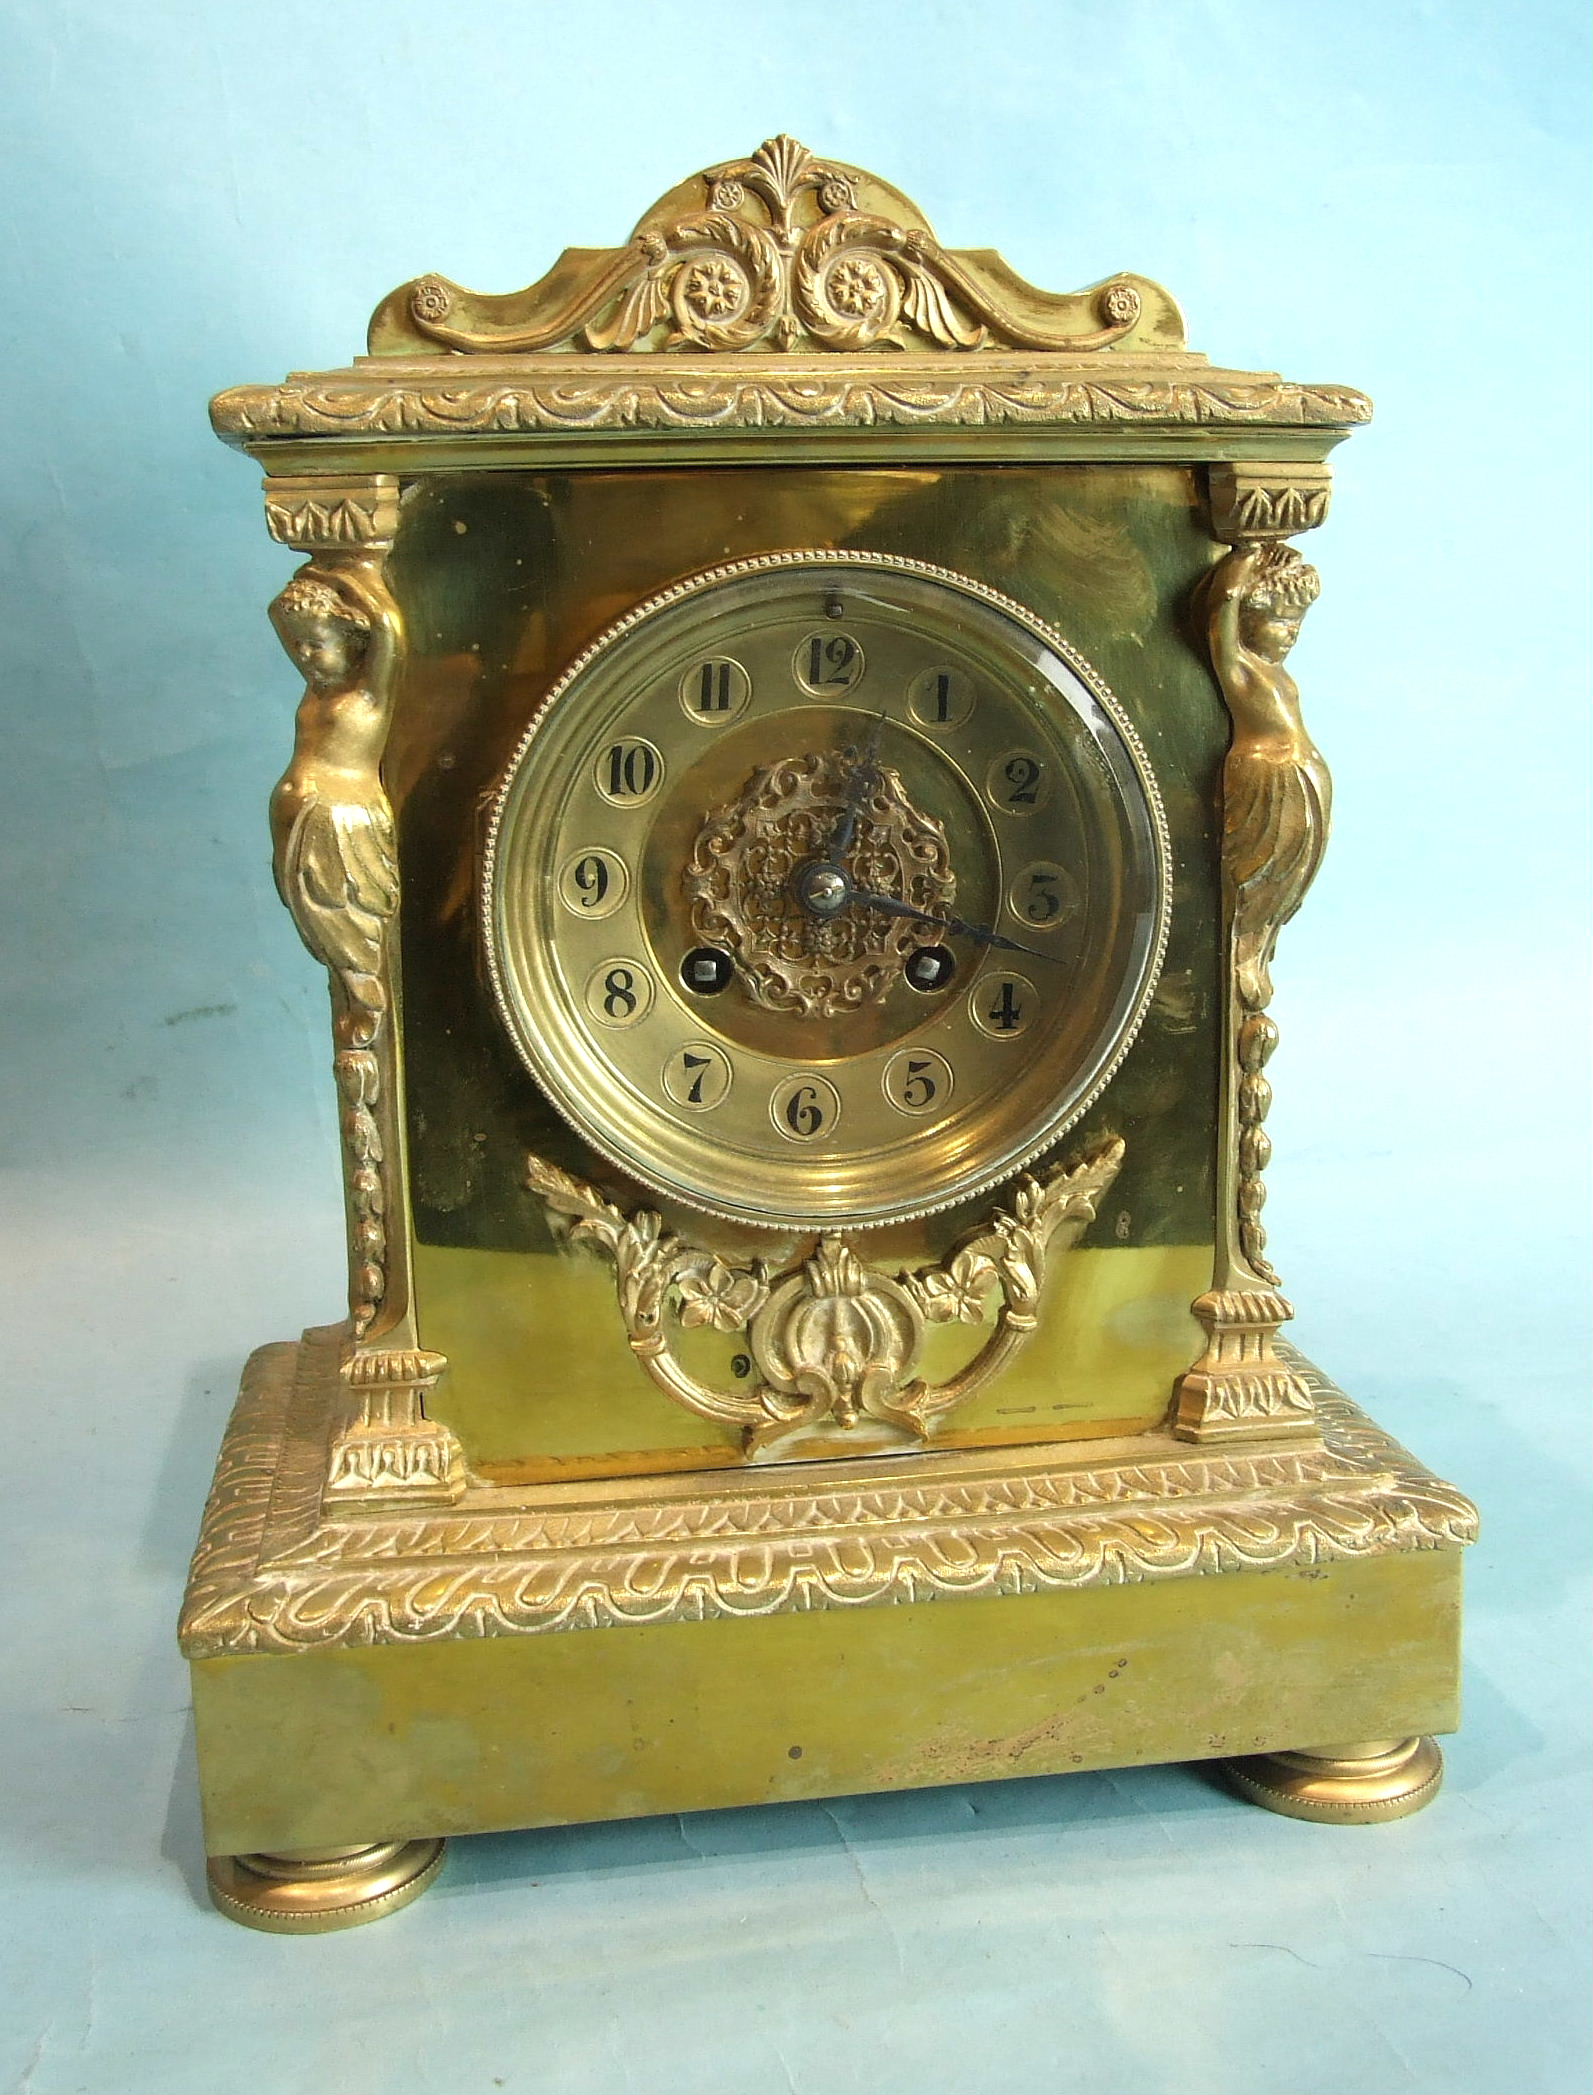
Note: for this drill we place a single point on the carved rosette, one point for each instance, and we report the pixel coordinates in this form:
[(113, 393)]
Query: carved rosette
[(835, 1343), (775, 292), (739, 882)]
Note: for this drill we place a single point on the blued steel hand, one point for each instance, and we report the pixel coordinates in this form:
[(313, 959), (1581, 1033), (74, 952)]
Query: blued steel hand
[(982, 933), (857, 791)]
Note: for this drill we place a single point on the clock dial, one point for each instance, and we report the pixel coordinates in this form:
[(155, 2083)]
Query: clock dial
[(823, 889)]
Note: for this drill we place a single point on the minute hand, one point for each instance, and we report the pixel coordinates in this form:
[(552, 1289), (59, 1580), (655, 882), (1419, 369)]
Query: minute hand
[(859, 784), (982, 933)]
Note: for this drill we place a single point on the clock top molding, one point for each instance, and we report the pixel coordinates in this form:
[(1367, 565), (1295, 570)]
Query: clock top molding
[(779, 306)]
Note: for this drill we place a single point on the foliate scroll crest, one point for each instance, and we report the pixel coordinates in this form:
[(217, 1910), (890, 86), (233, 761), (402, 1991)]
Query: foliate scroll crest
[(776, 252), (834, 1341)]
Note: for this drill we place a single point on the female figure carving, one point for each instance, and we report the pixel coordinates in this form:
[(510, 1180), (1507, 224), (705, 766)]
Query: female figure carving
[(336, 863), (331, 826), (1277, 794)]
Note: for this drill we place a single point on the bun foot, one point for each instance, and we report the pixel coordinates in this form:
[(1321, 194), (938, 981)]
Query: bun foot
[(315, 1890), (1358, 1784)]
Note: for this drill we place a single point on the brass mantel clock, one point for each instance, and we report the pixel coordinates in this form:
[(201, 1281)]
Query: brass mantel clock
[(796, 789)]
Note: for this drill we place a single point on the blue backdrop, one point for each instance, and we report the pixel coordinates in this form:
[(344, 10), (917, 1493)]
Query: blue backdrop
[(1388, 195)]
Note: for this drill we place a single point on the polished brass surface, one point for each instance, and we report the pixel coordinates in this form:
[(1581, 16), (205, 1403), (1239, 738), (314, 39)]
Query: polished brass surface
[(1358, 1784), (465, 1735), (495, 611), (1113, 1333), (317, 1891), (671, 633), (620, 779)]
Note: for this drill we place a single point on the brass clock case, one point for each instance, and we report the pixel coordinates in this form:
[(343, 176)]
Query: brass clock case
[(825, 888), (823, 891)]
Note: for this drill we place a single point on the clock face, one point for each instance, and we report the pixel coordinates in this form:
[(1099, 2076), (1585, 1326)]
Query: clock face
[(825, 889)]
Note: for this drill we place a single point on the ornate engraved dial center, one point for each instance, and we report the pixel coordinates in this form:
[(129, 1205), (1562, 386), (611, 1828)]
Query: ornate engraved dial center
[(773, 874)]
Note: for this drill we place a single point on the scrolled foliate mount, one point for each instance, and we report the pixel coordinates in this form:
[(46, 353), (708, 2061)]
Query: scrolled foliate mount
[(834, 1341), (780, 253)]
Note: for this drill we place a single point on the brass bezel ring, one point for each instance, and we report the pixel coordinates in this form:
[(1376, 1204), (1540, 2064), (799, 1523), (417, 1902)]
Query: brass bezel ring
[(544, 1066)]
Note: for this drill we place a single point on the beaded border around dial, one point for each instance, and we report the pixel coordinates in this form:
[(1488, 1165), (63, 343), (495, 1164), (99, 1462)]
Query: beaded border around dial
[(824, 557)]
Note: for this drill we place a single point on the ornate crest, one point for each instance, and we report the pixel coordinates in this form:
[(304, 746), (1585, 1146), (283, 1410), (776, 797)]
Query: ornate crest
[(780, 252), (743, 865), (834, 1342)]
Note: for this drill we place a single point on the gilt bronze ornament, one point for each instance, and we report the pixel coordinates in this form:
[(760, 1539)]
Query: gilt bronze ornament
[(796, 791)]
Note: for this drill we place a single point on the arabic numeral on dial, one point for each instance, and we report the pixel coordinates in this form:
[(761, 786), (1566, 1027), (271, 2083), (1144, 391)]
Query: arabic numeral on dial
[(804, 1108), (619, 992), (593, 883), (1018, 782), (629, 772), (825, 663), (939, 698), (1002, 1005), (803, 1114), (917, 1081), (698, 1077), (1044, 896), (714, 691)]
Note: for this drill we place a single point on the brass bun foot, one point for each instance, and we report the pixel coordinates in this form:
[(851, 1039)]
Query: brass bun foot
[(319, 1889), (1358, 1784)]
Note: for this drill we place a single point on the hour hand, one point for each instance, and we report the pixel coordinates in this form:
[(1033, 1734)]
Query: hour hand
[(863, 775), (980, 933)]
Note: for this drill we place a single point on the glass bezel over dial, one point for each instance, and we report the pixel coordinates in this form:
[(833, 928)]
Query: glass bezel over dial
[(825, 890)]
